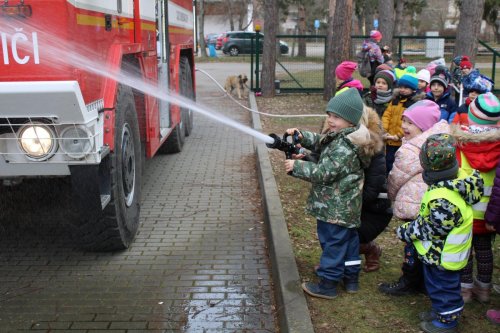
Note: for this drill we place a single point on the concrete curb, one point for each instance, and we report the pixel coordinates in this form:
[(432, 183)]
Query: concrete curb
[(292, 310)]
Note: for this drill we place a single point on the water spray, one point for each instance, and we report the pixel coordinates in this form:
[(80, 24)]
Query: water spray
[(63, 53)]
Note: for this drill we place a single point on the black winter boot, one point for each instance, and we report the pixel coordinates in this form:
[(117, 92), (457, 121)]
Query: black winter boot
[(324, 289), (398, 288)]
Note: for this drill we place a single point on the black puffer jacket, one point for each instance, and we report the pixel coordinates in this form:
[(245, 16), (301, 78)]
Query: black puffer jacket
[(375, 175), (375, 183)]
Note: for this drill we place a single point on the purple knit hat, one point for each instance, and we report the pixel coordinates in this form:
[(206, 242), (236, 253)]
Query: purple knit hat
[(423, 114)]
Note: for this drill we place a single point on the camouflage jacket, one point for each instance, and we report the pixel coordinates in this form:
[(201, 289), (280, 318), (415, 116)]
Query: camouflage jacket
[(337, 178), (443, 217)]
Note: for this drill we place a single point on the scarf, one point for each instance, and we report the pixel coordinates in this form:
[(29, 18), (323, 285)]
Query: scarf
[(383, 97)]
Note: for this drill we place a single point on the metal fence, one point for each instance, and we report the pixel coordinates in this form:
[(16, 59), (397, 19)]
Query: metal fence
[(301, 69)]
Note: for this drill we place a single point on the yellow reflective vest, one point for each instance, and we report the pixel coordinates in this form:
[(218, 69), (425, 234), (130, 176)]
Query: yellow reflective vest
[(457, 245)]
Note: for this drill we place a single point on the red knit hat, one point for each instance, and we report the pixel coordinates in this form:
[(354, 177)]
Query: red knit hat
[(465, 63), (375, 35)]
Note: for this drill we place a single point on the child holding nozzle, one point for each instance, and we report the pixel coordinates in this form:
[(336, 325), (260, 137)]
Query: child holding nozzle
[(336, 193)]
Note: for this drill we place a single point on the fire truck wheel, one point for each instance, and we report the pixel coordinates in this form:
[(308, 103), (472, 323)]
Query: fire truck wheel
[(126, 163), (115, 227), (175, 140), (186, 89)]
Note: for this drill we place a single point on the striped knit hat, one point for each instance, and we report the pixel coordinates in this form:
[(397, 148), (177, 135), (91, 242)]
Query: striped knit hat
[(387, 76), (485, 110)]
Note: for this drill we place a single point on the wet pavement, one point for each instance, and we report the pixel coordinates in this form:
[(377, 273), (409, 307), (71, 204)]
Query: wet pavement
[(199, 262)]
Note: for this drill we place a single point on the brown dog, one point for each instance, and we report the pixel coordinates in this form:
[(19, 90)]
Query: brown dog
[(239, 83)]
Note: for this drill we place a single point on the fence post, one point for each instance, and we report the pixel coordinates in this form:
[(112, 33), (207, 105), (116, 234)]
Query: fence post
[(257, 87), (252, 73), (400, 42)]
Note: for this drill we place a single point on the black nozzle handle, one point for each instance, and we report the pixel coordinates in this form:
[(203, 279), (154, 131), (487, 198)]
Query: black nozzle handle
[(277, 141)]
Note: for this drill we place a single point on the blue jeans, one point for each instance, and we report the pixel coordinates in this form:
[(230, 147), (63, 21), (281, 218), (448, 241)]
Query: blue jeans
[(443, 287), (340, 257)]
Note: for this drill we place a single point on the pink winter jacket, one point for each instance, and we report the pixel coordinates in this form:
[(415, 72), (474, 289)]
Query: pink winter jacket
[(405, 186)]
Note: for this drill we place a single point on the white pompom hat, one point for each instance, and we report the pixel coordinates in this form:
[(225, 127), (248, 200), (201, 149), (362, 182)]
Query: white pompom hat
[(424, 75)]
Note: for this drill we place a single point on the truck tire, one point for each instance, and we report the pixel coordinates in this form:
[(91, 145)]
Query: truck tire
[(186, 89), (120, 175), (176, 139)]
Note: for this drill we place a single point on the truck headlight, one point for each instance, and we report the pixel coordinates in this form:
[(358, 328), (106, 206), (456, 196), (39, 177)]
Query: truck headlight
[(76, 141), (37, 141)]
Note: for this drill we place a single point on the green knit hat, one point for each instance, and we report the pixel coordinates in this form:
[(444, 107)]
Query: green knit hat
[(347, 105)]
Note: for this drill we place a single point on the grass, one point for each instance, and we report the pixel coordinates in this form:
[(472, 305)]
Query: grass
[(368, 311)]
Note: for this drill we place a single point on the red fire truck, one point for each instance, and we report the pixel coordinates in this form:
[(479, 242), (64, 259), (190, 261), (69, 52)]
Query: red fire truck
[(59, 120)]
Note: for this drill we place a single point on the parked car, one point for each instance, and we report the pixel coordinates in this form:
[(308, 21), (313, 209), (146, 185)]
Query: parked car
[(211, 38), (240, 42)]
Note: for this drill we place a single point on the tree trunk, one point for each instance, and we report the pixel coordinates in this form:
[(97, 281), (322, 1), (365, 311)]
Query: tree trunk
[(257, 10), (230, 14), (386, 20), (328, 76), (360, 24), (341, 32), (302, 30), (269, 54), (201, 27), (242, 14), (469, 28), (368, 17), (398, 22)]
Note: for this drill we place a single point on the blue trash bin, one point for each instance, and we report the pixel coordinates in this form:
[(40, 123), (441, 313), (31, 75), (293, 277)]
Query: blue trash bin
[(211, 50)]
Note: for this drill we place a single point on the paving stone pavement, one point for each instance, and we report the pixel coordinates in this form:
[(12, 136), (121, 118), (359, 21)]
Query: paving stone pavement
[(199, 262)]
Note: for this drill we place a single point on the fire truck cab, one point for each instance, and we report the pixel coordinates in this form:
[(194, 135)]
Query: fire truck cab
[(73, 106)]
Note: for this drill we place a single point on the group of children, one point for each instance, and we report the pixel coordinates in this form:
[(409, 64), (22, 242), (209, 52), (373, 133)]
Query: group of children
[(441, 172)]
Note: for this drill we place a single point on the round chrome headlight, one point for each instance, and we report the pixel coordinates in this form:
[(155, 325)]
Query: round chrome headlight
[(37, 141), (76, 141)]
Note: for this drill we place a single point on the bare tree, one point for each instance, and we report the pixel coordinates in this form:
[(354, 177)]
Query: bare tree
[(369, 12), (269, 54), (242, 14), (201, 27), (329, 78), (338, 41), (386, 20), (359, 8), (257, 10), (399, 17), (302, 30), (230, 14), (490, 15), (469, 27)]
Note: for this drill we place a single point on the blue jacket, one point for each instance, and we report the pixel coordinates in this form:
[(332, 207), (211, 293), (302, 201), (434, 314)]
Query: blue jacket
[(447, 105)]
